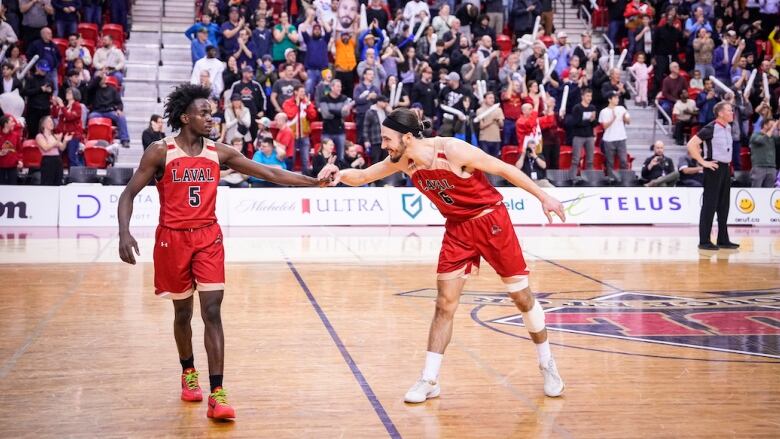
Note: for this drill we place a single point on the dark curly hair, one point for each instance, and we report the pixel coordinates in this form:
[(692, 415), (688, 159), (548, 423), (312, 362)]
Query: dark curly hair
[(180, 100)]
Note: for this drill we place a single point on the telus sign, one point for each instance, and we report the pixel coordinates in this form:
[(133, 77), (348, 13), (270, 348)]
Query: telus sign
[(640, 203)]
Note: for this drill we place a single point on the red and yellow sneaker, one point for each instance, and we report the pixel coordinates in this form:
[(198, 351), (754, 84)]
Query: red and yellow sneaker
[(190, 389), (218, 405)]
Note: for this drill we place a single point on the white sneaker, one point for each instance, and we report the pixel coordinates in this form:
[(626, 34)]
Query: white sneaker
[(553, 384), (422, 390)]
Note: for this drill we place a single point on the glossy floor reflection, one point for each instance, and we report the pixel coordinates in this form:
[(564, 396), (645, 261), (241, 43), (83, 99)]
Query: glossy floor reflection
[(326, 329)]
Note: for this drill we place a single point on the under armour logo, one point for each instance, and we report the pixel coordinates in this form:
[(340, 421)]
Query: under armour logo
[(163, 244), (495, 229), (218, 240)]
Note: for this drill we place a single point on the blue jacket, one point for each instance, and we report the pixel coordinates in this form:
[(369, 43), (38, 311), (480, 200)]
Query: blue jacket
[(60, 15), (705, 107), (47, 51), (316, 51), (214, 34), (378, 41), (262, 39), (722, 71), (198, 50)]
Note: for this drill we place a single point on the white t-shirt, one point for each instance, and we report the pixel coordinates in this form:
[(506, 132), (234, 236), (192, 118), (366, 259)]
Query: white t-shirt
[(616, 131)]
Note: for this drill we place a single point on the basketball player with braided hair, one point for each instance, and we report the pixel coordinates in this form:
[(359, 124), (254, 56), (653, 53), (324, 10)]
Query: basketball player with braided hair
[(188, 250), (450, 172)]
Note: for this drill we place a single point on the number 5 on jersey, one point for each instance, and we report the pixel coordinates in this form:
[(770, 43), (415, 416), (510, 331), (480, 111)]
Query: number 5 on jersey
[(194, 196)]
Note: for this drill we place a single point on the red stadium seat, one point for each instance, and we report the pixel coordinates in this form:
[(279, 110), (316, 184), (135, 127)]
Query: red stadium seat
[(90, 45), (31, 154), (96, 157), (351, 129), (504, 44), (616, 163), (316, 132), (113, 82), (88, 31), (564, 159), (510, 154), (117, 33), (62, 45), (598, 160), (100, 128), (744, 159)]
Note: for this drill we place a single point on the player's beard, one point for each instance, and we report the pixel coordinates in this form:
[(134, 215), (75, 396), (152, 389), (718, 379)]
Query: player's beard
[(399, 152)]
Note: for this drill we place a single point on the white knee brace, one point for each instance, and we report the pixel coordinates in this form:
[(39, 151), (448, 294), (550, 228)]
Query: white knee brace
[(534, 318)]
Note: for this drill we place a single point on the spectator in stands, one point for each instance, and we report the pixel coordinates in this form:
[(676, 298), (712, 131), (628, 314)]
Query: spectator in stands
[(212, 30), (424, 93), (671, 87), (267, 75), (227, 176), (376, 11), (323, 87), (154, 132), (723, 55), (35, 17), (301, 112), (615, 86), (616, 26), (252, 95), (763, 146), (51, 145), (703, 47), (262, 38), (614, 119), (93, 11), (352, 157), (345, 61), (407, 69), (231, 74), (10, 154), (286, 138), (285, 37), (7, 33), (10, 81), (642, 40), (549, 123), (587, 53), (211, 64), (199, 44), (658, 169), (372, 125), (283, 88), (324, 155), (522, 15), (684, 111), (696, 82), (439, 59), (108, 103), (269, 155), (66, 16), (534, 165), (205, 80), (473, 71), (511, 102), (641, 72), (443, 22), (490, 126), (109, 57), (365, 95), (370, 38), (38, 89), (76, 50), (69, 122), (16, 58), (245, 54), (691, 173), (583, 119), (316, 59), (84, 75), (371, 63), (238, 120), (230, 30), (668, 42), (560, 51), (706, 101), (118, 13), (299, 71), (46, 51), (403, 100), (334, 107)]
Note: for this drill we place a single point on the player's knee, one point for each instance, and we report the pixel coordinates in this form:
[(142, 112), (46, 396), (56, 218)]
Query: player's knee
[(445, 306), (211, 313), (182, 316), (523, 299)]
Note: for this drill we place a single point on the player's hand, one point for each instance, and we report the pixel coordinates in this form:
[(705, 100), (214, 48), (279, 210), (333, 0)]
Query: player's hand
[(126, 246), (551, 204), (328, 176), (711, 165)]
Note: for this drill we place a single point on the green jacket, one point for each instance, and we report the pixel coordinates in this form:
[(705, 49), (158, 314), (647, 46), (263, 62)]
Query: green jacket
[(762, 150)]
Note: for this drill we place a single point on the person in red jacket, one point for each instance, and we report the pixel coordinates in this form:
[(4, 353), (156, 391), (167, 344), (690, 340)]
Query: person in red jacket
[(70, 121), (285, 137), (10, 157), (301, 112), (527, 126)]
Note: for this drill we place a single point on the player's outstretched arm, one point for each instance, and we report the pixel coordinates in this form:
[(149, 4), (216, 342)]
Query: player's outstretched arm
[(151, 161), (360, 177), (472, 157), (236, 161)]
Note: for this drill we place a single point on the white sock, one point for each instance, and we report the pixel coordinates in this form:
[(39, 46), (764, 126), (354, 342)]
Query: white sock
[(432, 366), (545, 355)]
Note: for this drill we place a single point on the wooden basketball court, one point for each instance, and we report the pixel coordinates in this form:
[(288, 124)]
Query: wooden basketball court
[(326, 329)]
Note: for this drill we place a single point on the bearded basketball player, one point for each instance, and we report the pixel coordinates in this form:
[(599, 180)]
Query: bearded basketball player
[(188, 250), (450, 172)]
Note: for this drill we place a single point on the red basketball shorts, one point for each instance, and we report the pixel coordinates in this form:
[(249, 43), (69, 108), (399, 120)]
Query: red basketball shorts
[(491, 237), (188, 259)]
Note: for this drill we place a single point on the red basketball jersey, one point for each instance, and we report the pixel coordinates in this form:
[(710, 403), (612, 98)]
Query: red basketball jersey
[(188, 187), (457, 198)]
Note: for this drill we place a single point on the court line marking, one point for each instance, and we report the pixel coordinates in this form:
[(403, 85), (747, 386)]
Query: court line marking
[(617, 289), (364, 386), (9, 365), (502, 380)]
